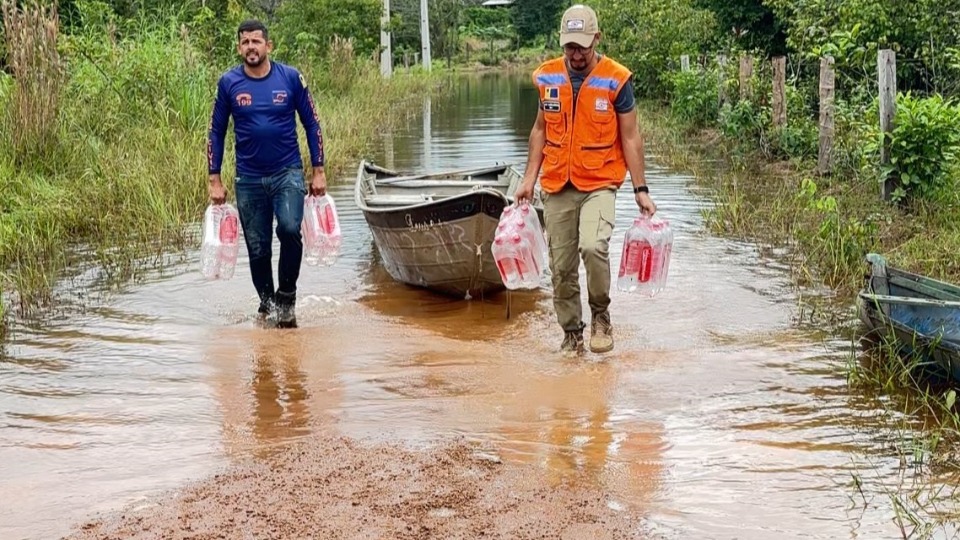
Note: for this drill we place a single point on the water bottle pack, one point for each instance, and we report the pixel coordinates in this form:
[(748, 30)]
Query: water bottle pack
[(519, 247), (321, 230), (645, 260), (221, 241)]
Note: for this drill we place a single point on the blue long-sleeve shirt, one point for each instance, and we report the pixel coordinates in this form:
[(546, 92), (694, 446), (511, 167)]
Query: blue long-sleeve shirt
[(264, 121)]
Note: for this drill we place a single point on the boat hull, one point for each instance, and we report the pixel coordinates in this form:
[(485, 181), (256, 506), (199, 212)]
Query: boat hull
[(919, 316), (435, 230), (443, 247)]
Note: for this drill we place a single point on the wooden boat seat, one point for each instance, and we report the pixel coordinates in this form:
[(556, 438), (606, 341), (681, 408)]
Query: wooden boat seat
[(398, 200)]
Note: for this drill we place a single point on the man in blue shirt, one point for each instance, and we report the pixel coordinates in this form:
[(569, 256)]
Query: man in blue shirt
[(264, 98)]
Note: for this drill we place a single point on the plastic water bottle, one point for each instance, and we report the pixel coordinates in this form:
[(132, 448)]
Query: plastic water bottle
[(221, 241), (534, 240), (321, 230), (533, 223), (645, 259), (516, 260), (520, 248)]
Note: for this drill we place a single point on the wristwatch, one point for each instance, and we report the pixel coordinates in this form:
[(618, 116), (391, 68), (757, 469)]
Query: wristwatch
[(641, 189)]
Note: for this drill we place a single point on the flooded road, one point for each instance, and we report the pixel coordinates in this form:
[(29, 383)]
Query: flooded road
[(718, 415)]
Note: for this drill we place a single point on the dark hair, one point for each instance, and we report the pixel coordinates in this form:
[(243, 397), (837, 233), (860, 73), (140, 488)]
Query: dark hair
[(252, 25)]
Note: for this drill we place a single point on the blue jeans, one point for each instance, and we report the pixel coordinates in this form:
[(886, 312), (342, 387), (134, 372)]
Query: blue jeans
[(259, 199)]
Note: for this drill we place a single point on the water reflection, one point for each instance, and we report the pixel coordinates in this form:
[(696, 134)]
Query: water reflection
[(567, 423), (488, 316), (274, 386), (278, 383)]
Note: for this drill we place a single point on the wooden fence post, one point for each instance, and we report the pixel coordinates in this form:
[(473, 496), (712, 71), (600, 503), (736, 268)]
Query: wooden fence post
[(780, 91), (827, 112), (887, 77), (746, 74), (685, 62), (721, 78)]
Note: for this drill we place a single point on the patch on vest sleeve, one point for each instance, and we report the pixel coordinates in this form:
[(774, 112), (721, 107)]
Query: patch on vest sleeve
[(551, 106)]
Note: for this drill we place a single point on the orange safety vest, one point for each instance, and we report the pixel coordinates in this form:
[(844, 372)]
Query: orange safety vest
[(583, 139)]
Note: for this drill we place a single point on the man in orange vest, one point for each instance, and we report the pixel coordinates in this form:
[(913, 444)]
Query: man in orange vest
[(585, 139)]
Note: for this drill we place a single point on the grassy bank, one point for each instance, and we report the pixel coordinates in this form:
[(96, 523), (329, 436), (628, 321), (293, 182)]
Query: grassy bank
[(824, 226), (103, 146)]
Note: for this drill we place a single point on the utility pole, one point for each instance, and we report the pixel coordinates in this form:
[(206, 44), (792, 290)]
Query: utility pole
[(386, 51), (425, 35)]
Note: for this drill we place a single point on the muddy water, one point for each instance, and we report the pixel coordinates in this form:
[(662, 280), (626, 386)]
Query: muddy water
[(717, 415)]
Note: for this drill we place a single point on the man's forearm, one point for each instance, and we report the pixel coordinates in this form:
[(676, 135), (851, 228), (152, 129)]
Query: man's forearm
[(633, 153)]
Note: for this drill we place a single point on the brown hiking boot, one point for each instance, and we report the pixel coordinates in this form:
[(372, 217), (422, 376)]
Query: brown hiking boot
[(572, 343), (601, 334)]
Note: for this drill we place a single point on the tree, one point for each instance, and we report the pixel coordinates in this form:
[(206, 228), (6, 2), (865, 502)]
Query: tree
[(444, 24), (750, 24), (535, 18), (923, 32), (313, 23), (648, 36)]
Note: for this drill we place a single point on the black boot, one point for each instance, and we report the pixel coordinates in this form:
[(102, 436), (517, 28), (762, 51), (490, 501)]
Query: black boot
[(286, 309), (267, 307)]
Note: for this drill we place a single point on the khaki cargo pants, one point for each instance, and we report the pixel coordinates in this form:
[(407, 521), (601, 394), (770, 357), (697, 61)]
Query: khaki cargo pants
[(579, 225)]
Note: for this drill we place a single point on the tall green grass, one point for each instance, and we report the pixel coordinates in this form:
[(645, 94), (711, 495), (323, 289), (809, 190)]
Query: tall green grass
[(120, 171)]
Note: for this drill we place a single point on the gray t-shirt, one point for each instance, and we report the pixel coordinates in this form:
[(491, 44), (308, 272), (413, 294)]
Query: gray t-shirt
[(625, 101)]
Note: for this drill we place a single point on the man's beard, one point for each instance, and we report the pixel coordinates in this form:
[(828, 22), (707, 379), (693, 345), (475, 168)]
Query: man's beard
[(254, 63)]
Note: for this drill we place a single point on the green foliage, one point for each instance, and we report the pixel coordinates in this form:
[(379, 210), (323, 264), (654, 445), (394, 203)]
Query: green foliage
[(339, 71), (649, 36), (798, 139), (534, 18), (6, 85), (744, 122), (30, 121), (924, 145), (694, 97), (477, 17), (133, 10), (854, 124), (919, 31), (152, 76), (306, 28), (445, 20), (127, 175), (841, 239), (749, 25)]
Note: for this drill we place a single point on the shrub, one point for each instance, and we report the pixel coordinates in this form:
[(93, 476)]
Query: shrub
[(923, 145), (694, 98)]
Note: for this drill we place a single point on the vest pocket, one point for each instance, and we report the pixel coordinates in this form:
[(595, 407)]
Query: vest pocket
[(602, 117), (551, 153), (606, 128), (555, 127), (595, 157)]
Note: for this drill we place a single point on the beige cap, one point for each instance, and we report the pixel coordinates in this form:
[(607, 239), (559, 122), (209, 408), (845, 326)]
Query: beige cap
[(579, 25)]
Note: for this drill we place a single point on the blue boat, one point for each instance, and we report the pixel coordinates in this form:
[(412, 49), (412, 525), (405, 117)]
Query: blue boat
[(917, 314)]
